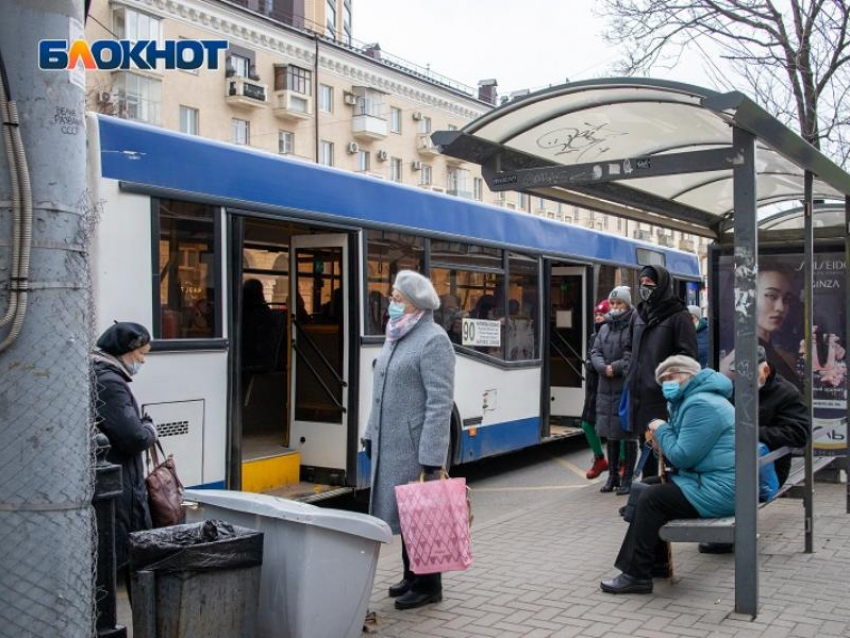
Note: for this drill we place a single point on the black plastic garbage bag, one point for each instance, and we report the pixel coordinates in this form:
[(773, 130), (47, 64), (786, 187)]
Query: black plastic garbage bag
[(195, 547)]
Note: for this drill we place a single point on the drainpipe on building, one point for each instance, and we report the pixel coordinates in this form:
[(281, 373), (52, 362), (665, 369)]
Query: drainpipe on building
[(316, 94)]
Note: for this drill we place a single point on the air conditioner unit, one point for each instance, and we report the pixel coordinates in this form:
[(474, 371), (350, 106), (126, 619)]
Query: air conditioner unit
[(383, 156), (417, 115), (416, 166), (352, 147), (350, 99)]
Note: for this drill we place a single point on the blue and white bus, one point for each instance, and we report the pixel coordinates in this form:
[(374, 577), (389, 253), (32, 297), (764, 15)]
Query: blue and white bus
[(265, 283)]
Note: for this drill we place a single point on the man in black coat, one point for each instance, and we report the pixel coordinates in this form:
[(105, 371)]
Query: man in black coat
[(661, 327), (783, 417), (120, 354)]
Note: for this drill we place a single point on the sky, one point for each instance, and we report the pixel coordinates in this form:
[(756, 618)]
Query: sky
[(532, 45)]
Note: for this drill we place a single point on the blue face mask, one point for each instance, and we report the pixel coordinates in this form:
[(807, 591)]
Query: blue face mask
[(396, 310), (670, 389), (616, 313), (133, 368)]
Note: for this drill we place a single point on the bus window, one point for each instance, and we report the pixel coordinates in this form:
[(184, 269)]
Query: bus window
[(387, 254), (184, 271), (523, 308), (473, 295), (454, 253)]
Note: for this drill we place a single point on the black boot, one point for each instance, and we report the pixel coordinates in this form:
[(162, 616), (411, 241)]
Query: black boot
[(630, 460), (613, 467)]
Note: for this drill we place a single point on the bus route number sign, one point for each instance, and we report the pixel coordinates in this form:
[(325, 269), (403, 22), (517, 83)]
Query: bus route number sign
[(481, 332)]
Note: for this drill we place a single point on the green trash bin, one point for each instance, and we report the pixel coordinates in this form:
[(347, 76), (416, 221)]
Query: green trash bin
[(200, 580)]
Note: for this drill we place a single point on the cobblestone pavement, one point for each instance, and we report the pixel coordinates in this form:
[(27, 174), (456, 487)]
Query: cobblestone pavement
[(537, 573)]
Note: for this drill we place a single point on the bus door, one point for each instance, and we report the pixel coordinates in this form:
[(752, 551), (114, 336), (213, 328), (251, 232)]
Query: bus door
[(319, 332), (567, 341)]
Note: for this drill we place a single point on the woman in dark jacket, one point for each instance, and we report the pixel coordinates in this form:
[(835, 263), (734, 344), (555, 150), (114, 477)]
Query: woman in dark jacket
[(661, 327), (591, 383), (610, 357), (120, 354)]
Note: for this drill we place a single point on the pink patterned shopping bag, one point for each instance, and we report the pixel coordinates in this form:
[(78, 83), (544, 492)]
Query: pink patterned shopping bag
[(434, 518)]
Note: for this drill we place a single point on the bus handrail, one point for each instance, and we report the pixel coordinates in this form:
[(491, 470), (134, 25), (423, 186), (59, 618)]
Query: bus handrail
[(318, 378), (566, 360), (315, 348), (567, 343)]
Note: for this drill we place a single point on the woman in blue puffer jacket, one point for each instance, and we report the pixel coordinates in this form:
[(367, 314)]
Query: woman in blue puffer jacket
[(699, 441)]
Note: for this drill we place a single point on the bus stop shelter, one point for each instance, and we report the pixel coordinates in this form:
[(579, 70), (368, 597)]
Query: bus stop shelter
[(681, 157)]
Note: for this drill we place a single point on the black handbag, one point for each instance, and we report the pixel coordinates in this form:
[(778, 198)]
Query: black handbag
[(628, 510)]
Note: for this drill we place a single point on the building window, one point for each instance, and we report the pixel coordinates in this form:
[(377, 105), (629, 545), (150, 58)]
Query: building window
[(188, 120), (522, 201), (241, 131), (139, 97), (541, 203), (293, 78), (241, 65), (330, 18), (478, 188), (133, 25), (425, 175), (362, 161), (184, 271), (369, 102), (452, 127), (326, 153), (326, 98), (285, 142), (425, 125), (395, 169), (459, 182), (346, 20), (387, 254), (395, 119)]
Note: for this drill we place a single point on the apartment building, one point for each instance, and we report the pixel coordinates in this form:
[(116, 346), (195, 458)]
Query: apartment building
[(296, 82)]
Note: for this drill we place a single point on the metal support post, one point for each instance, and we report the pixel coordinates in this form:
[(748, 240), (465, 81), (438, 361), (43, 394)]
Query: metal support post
[(808, 323), (847, 336), (107, 488), (47, 544), (746, 378)]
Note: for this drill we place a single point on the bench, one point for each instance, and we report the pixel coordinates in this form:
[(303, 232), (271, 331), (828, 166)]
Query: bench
[(722, 530)]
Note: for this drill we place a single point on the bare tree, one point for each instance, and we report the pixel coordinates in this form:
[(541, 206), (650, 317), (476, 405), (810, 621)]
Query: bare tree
[(794, 55)]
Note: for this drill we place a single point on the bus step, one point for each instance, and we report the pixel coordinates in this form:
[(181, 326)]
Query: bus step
[(559, 432), (271, 472)]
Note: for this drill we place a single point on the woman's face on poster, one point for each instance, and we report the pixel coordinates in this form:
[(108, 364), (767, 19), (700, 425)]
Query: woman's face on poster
[(774, 300)]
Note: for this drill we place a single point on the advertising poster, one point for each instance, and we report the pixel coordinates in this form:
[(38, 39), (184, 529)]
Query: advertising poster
[(779, 320)]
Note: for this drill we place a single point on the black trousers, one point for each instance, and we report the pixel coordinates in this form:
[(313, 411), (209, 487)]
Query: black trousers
[(641, 548), (422, 583)]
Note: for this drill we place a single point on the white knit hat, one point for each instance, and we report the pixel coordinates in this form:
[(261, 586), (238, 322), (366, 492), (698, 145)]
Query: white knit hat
[(418, 289), (621, 293), (676, 363)]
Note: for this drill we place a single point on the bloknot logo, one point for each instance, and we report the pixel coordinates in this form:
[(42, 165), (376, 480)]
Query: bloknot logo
[(147, 55)]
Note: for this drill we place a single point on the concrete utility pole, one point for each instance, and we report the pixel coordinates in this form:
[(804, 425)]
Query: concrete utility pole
[(46, 480)]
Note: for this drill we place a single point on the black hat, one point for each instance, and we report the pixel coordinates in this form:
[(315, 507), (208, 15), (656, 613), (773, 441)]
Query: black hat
[(761, 355), (123, 337)]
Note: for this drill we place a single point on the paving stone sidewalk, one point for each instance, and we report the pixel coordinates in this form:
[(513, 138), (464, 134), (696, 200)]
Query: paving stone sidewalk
[(537, 573)]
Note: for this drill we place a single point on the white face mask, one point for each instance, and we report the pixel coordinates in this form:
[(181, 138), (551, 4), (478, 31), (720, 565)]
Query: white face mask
[(133, 368)]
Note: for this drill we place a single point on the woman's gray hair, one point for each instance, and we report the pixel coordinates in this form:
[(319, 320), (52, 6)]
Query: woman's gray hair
[(418, 289)]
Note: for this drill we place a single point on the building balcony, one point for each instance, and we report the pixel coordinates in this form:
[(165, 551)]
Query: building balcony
[(687, 244), (245, 93), (667, 240), (643, 235), (425, 145), (368, 127), (290, 105)]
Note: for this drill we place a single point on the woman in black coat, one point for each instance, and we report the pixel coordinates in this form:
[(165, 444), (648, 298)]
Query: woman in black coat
[(661, 327), (120, 354)]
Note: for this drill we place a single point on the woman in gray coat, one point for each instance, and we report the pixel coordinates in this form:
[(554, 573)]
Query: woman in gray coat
[(409, 426), (610, 359)]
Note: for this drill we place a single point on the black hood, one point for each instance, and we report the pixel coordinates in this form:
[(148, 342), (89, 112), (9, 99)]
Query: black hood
[(663, 301)]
